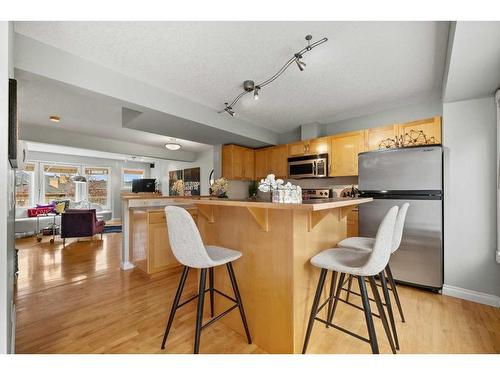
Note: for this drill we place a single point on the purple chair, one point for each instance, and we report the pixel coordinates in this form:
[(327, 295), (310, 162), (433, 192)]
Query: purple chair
[(80, 223)]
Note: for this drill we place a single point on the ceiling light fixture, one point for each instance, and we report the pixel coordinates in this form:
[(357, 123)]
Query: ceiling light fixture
[(249, 85), (173, 146), (54, 118)]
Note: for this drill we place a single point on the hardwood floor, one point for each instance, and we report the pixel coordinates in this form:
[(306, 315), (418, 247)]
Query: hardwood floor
[(77, 300)]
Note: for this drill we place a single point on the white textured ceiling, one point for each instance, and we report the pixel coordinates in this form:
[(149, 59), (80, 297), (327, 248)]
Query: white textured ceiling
[(363, 68), (82, 111), (474, 70)]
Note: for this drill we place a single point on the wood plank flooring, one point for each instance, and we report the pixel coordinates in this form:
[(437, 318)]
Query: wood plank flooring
[(77, 300)]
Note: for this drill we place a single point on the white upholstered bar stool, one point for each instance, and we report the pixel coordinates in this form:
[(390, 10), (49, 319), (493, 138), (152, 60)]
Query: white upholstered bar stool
[(189, 250), (357, 263), (365, 244)]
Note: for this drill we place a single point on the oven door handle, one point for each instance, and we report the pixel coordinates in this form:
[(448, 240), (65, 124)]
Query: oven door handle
[(315, 167)]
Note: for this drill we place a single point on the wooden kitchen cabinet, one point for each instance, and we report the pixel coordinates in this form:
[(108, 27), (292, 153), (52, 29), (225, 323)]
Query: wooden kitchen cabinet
[(278, 161), (345, 149), (352, 222), (237, 162), (298, 148), (262, 162), (374, 136), (431, 127), (150, 248), (319, 145), (271, 160)]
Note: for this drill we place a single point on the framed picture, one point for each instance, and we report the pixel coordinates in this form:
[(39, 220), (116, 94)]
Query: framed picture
[(192, 181), (172, 177)]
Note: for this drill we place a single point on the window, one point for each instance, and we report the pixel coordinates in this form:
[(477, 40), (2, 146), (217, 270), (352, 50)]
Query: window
[(58, 183), (98, 186), (130, 174), (25, 186)]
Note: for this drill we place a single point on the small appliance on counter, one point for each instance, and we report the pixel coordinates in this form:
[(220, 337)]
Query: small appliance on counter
[(316, 194)]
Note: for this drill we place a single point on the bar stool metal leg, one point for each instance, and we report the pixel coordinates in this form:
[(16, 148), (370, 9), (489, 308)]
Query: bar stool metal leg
[(211, 288), (349, 285), (314, 308), (388, 304), (175, 304), (381, 311), (236, 291), (394, 291), (368, 315), (337, 296), (199, 311), (330, 295)]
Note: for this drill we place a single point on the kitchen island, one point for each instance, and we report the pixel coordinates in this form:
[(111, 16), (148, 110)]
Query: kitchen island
[(276, 280)]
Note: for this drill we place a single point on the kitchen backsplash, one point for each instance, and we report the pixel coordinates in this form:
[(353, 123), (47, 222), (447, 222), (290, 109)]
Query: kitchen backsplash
[(334, 183)]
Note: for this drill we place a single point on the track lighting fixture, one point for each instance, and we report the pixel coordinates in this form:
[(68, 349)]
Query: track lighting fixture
[(250, 86), (256, 93)]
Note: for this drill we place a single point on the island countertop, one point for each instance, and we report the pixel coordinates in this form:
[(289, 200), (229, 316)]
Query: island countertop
[(307, 205)]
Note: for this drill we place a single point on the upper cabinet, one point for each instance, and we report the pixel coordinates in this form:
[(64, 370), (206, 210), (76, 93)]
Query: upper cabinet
[(237, 162), (262, 162), (344, 150), (375, 136), (241, 163), (309, 147), (278, 161), (416, 133), (271, 160)]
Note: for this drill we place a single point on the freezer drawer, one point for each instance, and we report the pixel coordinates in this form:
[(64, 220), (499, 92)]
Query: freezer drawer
[(419, 259), (412, 168)]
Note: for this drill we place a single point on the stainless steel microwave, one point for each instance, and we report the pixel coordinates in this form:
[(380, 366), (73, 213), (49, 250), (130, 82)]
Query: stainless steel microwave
[(310, 166)]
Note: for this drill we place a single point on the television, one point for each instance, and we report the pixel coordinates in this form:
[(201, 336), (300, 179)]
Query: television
[(143, 185)]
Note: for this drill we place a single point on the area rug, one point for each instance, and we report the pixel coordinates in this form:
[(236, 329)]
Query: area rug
[(113, 229)]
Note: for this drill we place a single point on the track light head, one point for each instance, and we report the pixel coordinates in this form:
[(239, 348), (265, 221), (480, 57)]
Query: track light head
[(256, 93), (300, 64), (229, 110)]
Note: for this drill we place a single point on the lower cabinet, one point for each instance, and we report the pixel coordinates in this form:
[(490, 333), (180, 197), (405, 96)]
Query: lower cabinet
[(352, 223), (150, 247)]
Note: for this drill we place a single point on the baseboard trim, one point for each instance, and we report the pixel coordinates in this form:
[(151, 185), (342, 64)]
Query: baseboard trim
[(471, 295)]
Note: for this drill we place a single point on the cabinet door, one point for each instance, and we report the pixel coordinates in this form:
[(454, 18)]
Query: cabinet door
[(319, 145), (160, 254), (431, 127), (297, 149), (278, 161), (232, 162), (248, 164), (345, 150), (262, 162), (352, 223), (375, 136)]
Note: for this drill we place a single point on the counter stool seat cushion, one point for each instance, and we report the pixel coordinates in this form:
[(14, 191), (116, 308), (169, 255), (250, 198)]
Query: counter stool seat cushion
[(221, 255), (342, 260), (358, 243)]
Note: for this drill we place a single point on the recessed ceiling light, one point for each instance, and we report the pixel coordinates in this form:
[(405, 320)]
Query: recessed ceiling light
[(173, 146), (54, 118)]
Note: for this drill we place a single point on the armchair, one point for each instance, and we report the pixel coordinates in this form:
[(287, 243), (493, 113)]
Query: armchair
[(80, 223)]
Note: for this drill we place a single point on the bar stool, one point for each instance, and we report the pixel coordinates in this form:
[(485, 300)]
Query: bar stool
[(187, 247), (365, 244), (357, 263)]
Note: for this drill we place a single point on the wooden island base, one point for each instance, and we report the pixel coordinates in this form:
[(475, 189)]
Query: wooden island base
[(276, 280)]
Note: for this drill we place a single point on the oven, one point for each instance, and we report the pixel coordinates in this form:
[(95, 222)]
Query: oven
[(311, 166)]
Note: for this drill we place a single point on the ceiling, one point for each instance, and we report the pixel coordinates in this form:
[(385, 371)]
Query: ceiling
[(364, 67), (84, 112), (474, 70)]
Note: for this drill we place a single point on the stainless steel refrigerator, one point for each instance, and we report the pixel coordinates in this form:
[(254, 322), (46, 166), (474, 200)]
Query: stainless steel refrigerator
[(413, 175)]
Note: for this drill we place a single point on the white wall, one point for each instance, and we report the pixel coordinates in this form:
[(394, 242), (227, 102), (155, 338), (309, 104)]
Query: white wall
[(204, 160), (7, 201), (115, 165), (418, 111), (469, 137)]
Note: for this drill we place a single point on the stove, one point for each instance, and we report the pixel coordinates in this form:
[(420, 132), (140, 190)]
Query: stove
[(316, 194)]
